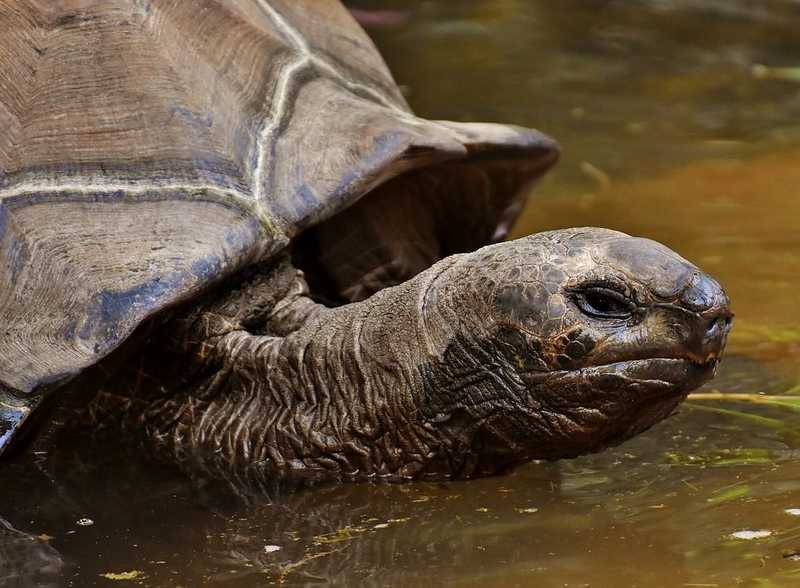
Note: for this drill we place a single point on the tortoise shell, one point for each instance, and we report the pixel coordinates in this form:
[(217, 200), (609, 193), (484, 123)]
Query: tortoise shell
[(150, 148)]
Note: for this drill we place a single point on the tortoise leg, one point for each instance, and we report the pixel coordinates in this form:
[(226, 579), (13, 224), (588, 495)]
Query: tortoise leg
[(269, 300), (158, 388)]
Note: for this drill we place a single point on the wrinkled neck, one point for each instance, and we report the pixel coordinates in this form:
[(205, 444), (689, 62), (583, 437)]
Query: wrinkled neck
[(341, 395), (401, 385)]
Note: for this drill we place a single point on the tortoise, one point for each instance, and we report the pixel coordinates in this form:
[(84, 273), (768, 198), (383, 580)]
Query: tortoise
[(222, 221), (26, 560)]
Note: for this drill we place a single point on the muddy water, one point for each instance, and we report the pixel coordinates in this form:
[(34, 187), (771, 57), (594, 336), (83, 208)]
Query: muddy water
[(679, 122)]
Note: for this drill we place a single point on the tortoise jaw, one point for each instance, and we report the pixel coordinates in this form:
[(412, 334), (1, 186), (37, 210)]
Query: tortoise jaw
[(601, 406), (649, 378), (678, 376)]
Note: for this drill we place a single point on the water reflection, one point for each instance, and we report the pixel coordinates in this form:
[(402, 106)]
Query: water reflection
[(532, 522), (670, 131), (656, 512)]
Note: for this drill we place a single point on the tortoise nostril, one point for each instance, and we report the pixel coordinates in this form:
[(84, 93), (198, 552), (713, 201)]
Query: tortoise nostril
[(718, 326), (709, 345)]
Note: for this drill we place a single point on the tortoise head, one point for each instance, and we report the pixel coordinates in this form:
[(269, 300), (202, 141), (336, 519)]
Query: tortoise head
[(567, 342)]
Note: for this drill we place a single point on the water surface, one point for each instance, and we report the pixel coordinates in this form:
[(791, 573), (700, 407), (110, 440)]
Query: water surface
[(678, 120)]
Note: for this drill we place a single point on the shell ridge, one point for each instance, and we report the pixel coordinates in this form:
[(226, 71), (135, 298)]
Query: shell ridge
[(283, 95), (45, 186), (300, 45), (280, 102)]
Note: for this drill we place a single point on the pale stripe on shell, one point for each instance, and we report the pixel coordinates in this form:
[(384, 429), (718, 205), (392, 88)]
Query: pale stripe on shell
[(91, 186)]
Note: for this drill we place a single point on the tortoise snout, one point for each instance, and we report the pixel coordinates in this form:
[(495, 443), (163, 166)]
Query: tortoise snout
[(715, 337), (718, 327), (708, 300)]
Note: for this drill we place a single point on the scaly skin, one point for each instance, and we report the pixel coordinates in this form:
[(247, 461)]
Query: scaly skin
[(514, 352)]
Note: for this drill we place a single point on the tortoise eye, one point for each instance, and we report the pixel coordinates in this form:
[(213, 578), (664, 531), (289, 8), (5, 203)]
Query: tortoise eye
[(601, 302)]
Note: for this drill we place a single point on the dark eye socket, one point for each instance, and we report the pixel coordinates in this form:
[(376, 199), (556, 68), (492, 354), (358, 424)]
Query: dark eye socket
[(604, 303)]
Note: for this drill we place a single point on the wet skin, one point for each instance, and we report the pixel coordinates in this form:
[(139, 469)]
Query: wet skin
[(550, 346), (600, 336)]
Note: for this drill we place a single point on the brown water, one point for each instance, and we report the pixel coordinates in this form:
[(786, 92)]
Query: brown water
[(678, 120)]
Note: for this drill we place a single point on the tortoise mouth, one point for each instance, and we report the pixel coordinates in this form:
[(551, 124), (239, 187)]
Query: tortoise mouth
[(651, 377), (610, 403)]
